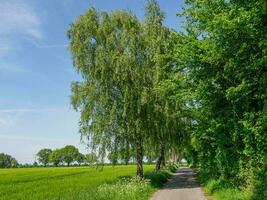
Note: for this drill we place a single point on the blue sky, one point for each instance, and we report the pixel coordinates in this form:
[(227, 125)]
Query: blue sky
[(36, 71)]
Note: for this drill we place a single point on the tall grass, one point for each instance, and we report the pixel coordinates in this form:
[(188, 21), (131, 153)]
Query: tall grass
[(112, 183), (223, 189), (130, 188)]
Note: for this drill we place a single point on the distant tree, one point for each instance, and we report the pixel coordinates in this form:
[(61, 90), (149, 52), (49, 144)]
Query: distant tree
[(91, 158), (70, 154), (80, 158), (113, 157), (126, 153), (7, 161), (43, 156), (14, 162), (150, 156), (56, 157)]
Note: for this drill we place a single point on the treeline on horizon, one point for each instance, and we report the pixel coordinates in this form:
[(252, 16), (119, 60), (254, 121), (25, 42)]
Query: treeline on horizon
[(69, 155), (7, 161), (201, 92)]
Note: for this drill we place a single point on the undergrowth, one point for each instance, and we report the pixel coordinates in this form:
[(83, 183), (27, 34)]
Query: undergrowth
[(131, 188), (223, 189)]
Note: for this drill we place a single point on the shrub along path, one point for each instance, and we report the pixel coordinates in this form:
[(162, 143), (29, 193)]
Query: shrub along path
[(182, 186)]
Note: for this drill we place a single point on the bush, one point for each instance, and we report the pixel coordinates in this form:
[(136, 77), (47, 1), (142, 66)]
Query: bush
[(172, 168), (221, 189), (157, 179), (126, 188), (133, 188)]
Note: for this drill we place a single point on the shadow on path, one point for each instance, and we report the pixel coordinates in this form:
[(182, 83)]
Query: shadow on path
[(182, 186), (183, 178)]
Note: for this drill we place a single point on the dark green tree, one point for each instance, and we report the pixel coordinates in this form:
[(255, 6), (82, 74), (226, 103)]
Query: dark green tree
[(56, 157), (69, 154), (43, 156), (113, 158), (223, 55), (7, 161), (80, 158), (91, 158)]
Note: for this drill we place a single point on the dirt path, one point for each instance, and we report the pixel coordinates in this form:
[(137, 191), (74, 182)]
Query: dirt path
[(182, 186)]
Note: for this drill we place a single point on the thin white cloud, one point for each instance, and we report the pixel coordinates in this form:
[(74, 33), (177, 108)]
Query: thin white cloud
[(8, 67), (18, 17), (40, 45), (4, 48), (27, 110), (37, 44), (17, 110), (6, 121), (9, 117), (32, 138), (48, 46)]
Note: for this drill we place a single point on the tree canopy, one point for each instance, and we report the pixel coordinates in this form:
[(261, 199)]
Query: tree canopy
[(7, 161), (119, 59), (201, 93), (223, 52), (43, 156), (66, 155), (70, 154)]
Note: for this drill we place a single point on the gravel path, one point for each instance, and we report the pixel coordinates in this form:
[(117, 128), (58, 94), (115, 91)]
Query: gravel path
[(182, 186)]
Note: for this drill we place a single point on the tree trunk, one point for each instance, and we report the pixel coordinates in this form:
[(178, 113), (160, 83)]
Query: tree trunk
[(127, 153), (163, 162), (139, 157), (161, 159)]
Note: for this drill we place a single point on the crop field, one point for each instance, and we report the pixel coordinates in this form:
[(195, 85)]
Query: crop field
[(74, 183)]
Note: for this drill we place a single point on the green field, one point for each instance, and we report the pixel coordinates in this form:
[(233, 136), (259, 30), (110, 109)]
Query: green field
[(72, 183)]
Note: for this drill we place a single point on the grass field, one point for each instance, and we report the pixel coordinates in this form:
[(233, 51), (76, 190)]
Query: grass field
[(75, 183)]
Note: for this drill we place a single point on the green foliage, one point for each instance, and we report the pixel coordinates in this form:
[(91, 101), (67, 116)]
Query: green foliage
[(201, 93), (158, 178), (109, 52), (7, 161), (43, 156), (126, 153), (223, 189), (80, 158), (172, 168), (113, 157), (126, 188), (131, 188), (91, 158), (223, 55), (69, 154), (56, 157), (124, 63)]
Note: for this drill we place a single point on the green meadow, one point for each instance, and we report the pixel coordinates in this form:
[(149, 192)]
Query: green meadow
[(116, 183)]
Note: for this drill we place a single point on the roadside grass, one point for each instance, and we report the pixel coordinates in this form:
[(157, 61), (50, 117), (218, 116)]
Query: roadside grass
[(130, 188), (222, 189), (67, 183)]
